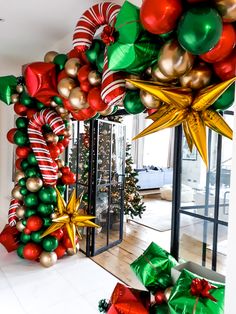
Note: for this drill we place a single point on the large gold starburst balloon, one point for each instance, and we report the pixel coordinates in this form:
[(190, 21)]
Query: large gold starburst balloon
[(68, 216), (186, 107)]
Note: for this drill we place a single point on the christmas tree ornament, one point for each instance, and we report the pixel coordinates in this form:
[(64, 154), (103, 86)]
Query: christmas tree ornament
[(227, 9), (34, 184), (16, 193), (49, 56), (19, 226), (7, 88), (48, 259), (94, 78), (34, 223), (77, 99), (31, 251), (31, 200), (149, 101), (50, 243), (72, 66), (197, 78), (48, 195), (65, 86), (20, 212)]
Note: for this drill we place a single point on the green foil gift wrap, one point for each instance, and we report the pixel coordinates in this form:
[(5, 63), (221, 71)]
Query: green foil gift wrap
[(7, 88), (194, 295), (134, 48), (153, 268)]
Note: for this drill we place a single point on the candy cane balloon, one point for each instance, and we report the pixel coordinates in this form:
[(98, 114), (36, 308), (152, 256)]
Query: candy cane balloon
[(12, 217), (113, 85), (38, 144)]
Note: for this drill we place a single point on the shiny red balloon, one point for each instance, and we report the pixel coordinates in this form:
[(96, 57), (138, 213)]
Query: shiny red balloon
[(79, 115), (160, 297), (160, 17), (68, 105), (83, 73), (34, 223), (22, 151), (18, 163), (67, 242), (151, 111), (85, 86), (95, 101), (10, 135), (27, 231), (89, 113), (32, 251), (60, 251), (30, 112), (62, 75), (65, 141), (61, 147), (54, 150), (65, 170), (69, 178), (226, 68), (224, 47), (20, 109), (58, 234)]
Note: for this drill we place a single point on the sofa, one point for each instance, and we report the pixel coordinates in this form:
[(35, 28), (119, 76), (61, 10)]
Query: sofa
[(154, 177)]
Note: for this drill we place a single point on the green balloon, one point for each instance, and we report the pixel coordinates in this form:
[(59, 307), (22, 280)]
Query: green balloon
[(132, 103), (100, 62), (93, 52), (47, 222), (45, 209), (31, 200), (58, 100), (32, 159), (60, 137), (48, 195), (36, 236), (25, 237), (22, 182), (225, 100), (61, 188), (24, 222), (40, 105), (60, 60), (20, 138), (167, 36), (25, 99), (24, 164), (50, 243), (30, 212), (31, 172), (24, 191), (199, 29), (22, 123), (19, 250), (115, 109)]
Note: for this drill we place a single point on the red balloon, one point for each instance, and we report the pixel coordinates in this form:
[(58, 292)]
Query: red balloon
[(27, 231), (18, 163), (60, 251), (61, 75), (32, 251), (65, 141), (223, 48), (67, 242), (160, 297), (20, 109), (34, 223), (225, 68), (69, 178), (78, 115), (85, 86), (73, 54), (151, 111), (68, 105), (160, 17), (61, 147), (65, 170), (83, 73), (88, 113), (10, 135), (30, 112), (22, 151), (58, 234), (54, 150), (95, 101)]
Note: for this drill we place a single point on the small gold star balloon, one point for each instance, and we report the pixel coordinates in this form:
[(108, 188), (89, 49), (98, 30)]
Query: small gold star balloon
[(68, 216), (186, 107)]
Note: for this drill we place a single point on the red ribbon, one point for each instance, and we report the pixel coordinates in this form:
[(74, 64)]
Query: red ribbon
[(201, 287), (107, 35)]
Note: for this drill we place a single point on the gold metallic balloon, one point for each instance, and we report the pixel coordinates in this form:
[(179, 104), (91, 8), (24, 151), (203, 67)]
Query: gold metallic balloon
[(197, 78), (34, 184), (70, 251), (51, 138), (148, 71), (19, 88), (77, 98), (129, 85), (173, 60), (49, 56), (19, 175), (67, 133), (72, 66), (15, 98), (53, 104), (157, 75), (60, 163), (65, 86), (53, 216), (94, 78), (61, 110), (59, 174), (48, 259), (107, 112), (149, 101), (16, 193), (19, 226), (227, 9), (20, 212)]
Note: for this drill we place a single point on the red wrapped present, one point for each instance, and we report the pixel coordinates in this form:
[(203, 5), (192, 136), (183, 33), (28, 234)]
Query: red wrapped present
[(9, 238), (125, 300)]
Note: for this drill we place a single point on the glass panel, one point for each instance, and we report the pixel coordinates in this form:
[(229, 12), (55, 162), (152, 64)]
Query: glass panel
[(102, 205), (115, 214), (195, 239), (222, 249)]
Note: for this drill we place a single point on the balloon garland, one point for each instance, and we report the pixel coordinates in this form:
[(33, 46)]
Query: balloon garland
[(175, 61)]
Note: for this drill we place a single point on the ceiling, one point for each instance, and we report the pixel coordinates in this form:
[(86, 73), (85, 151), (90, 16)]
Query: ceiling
[(31, 28)]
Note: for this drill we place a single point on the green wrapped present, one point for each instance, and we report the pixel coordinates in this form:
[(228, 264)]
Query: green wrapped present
[(134, 48), (159, 309), (153, 268), (193, 294)]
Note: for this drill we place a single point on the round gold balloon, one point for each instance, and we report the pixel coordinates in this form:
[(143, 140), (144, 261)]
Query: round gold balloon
[(19, 226), (20, 212), (129, 85), (70, 251), (107, 112), (60, 163), (157, 75), (173, 60), (59, 174), (149, 101), (197, 78), (53, 104), (16, 193), (53, 216), (61, 110), (49, 56), (148, 71), (227, 9), (77, 98), (65, 86), (67, 133), (15, 98), (48, 259), (34, 184), (72, 66), (19, 88), (19, 175), (51, 138), (94, 78)]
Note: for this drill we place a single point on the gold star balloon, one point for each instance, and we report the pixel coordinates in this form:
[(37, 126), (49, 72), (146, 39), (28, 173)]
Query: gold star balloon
[(186, 107), (68, 216)]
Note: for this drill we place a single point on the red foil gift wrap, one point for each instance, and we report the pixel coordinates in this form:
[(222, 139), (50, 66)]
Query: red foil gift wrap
[(9, 238), (125, 300)]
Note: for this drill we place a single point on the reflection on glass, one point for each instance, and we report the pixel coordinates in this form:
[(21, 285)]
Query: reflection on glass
[(222, 249), (102, 205)]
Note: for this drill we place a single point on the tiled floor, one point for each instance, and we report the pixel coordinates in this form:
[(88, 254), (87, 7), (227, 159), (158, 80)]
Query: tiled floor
[(74, 285)]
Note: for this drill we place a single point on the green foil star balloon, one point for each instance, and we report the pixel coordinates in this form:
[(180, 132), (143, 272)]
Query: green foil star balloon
[(7, 88)]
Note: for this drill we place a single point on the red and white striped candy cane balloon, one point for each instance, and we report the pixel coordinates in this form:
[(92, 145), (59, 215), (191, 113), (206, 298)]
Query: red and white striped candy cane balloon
[(113, 84), (38, 144), (12, 217)]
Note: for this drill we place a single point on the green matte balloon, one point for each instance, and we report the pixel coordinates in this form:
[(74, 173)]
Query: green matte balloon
[(22, 123), (25, 237), (45, 209), (24, 164), (132, 103), (20, 138), (32, 159), (47, 222), (225, 100), (31, 172), (26, 100), (50, 243), (60, 60), (93, 52), (36, 236), (31, 200), (19, 250), (24, 191), (22, 182), (199, 29), (40, 105), (58, 100), (48, 195), (30, 212)]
